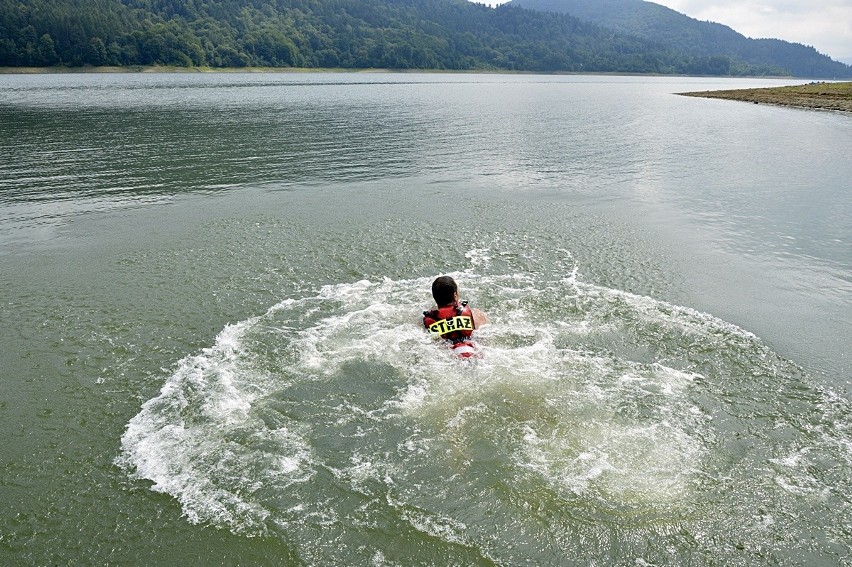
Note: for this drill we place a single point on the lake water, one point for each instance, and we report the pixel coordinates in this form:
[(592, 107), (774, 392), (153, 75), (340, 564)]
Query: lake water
[(210, 348)]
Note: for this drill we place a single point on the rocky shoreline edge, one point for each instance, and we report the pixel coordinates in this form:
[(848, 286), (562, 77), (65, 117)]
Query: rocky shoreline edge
[(815, 96)]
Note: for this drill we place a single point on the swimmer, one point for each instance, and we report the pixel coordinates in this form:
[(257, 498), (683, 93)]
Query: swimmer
[(453, 320)]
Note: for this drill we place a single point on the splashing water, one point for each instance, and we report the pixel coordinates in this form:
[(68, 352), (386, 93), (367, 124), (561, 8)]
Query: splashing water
[(595, 419)]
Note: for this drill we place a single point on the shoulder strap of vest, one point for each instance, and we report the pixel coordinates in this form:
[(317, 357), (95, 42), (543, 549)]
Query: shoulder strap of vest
[(460, 307), (430, 317), (464, 309)]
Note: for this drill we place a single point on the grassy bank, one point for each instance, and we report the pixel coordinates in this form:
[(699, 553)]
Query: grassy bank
[(818, 96)]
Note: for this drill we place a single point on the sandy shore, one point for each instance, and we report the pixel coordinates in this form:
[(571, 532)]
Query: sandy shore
[(817, 96)]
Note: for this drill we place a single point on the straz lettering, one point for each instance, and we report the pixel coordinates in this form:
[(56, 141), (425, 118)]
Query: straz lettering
[(458, 323)]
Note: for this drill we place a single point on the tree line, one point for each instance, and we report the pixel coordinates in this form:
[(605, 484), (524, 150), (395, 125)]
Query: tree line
[(392, 34), (682, 34)]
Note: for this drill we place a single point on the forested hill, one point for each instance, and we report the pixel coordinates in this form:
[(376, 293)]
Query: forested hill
[(683, 34), (395, 34)]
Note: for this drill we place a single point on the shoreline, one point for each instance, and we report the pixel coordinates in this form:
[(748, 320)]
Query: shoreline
[(812, 96), (170, 69), (88, 69)]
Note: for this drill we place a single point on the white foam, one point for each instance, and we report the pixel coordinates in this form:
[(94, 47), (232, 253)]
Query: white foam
[(479, 257), (181, 438), (586, 422)]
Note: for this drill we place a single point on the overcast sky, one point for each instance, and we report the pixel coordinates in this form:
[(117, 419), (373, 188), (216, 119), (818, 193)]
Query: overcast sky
[(823, 24)]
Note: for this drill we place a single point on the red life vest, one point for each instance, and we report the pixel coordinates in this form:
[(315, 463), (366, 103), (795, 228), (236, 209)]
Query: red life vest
[(453, 323)]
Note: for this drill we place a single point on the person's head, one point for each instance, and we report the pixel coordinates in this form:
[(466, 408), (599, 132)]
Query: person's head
[(445, 291)]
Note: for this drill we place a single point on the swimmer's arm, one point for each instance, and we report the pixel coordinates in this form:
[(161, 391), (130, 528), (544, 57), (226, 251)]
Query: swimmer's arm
[(479, 318)]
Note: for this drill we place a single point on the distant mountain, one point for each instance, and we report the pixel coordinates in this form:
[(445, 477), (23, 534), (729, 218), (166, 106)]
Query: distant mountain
[(394, 34), (682, 34)]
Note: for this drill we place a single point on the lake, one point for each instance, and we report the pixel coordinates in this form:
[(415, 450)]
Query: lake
[(211, 347)]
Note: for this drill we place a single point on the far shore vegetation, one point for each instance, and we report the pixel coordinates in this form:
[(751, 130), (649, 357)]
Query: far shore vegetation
[(436, 35), (816, 96), (107, 69)]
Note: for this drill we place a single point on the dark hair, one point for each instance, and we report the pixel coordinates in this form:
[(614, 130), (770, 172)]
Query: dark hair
[(444, 290)]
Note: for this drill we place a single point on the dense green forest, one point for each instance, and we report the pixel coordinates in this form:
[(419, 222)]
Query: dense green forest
[(393, 34), (683, 34)]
